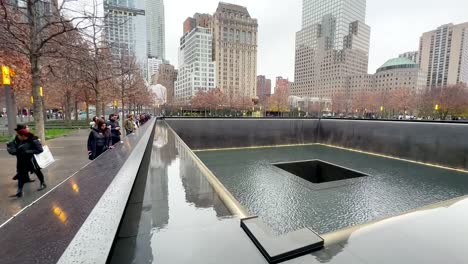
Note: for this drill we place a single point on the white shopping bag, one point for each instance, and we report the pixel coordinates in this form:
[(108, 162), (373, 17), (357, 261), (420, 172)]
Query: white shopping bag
[(44, 159)]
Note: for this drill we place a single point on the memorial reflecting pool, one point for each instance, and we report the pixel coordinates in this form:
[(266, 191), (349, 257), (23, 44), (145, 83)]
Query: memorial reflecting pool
[(288, 202)]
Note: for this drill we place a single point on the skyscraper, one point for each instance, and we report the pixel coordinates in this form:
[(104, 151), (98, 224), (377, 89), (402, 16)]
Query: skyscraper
[(153, 67), (235, 50), (155, 29), (332, 45), (443, 53), (263, 88), (196, 66), (125, 30)]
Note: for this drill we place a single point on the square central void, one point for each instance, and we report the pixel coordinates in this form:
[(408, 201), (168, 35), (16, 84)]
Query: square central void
[(288, 197), (317, 171)]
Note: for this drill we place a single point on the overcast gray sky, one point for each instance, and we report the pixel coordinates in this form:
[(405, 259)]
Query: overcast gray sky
[(396, 27)]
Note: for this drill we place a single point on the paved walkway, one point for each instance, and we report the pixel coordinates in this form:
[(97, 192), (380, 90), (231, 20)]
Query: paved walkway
[(71, 155)]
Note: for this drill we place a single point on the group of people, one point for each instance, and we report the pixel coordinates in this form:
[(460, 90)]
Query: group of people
[(24, 147), (104, 135)]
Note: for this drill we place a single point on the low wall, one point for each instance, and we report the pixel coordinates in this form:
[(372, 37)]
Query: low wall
[(438, 143), (229, 133)]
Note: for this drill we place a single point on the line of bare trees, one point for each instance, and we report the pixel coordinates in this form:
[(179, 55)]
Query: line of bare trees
[(437, 102), (62, 49), (216, 100)]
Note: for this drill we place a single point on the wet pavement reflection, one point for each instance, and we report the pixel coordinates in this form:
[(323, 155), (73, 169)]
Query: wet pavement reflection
[(70, 155)]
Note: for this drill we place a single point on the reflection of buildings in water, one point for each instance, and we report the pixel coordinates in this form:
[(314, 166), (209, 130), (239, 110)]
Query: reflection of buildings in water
[(163, 155), (193, 180), (197, 188), (160, 136), (164, 150), (154, 191)]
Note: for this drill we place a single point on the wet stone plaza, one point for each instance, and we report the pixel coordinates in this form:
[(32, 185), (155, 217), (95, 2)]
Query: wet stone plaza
[(288, 202)]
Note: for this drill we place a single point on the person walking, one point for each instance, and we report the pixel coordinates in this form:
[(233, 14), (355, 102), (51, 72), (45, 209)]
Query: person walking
[(114, 126), (11, 148), (129, 125), (27, 146), (99, 140)]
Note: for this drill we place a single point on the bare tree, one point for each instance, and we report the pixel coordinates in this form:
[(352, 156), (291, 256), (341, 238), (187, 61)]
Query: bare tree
[(442, 102), (33, 28), (128, 76)]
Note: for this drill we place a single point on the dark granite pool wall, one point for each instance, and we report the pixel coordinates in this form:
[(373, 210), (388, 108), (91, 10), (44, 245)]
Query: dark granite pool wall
[(438, 143), (229, 133)]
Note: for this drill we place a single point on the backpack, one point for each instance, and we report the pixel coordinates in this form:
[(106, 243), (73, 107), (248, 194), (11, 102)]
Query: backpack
[(12, 148)]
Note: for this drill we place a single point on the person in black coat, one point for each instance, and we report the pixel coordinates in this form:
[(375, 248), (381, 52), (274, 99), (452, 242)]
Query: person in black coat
[(12, 146), (115, 128), (99, 140), (24, 150)]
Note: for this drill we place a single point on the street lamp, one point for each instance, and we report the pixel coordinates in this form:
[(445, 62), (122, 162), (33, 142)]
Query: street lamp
[(6, 78), (436, 108), (6, 82)]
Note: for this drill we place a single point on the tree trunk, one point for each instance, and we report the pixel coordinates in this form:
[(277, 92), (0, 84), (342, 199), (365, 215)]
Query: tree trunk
[(38, 105), (68, 109), (122, 98), (99, 111), (21, 114), (87, 107), (76, 109)]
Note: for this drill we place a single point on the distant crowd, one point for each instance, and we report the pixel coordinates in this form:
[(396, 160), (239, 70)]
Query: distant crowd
[(105, 134)]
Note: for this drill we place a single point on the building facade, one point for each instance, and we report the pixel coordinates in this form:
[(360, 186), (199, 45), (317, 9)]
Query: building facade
[(155, 29), (166, 76), (153, 67), (235, 50), (411, 55), (196, 66), (263, 88), (395, 74), (125, 30), (400, 73), (282, 83), (332, 46), (444, 55), (198, 20)]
